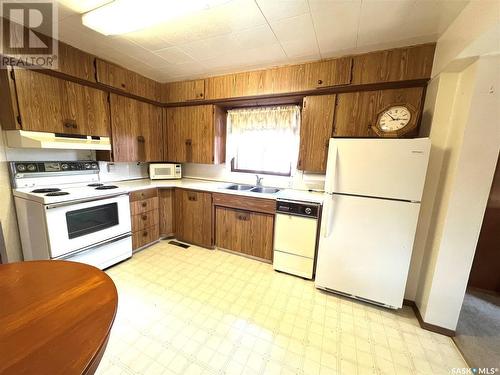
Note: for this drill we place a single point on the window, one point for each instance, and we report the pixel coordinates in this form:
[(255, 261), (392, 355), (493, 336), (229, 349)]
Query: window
[(264, 140)]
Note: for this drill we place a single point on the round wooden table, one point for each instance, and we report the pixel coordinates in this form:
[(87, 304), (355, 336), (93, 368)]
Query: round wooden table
[(55, 317)]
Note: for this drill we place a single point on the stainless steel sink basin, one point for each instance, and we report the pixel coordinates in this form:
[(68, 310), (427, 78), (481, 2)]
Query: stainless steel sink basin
[(264, 190), (239, 187)]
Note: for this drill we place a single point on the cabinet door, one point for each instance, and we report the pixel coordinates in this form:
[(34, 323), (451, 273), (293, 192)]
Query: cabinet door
[(315, 132), (394, 65), (40, 98), (136, 129), (113, 75), (246, 232), (185, 91), (190, 134), (166, 211), (220, 87), (87, 109), (356, 112), (193, 217), (75, 62), (329, 73)]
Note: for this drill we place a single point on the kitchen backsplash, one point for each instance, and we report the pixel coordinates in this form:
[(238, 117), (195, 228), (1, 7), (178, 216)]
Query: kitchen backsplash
[(300, 180), (122, 171)]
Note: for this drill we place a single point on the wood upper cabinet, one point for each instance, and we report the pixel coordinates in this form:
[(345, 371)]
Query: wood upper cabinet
[(76, 63), (50, 104), (136, 130), (193, 217), (356, 112), (184, 91), (329, 73), (196, 134), (246, 232), (115, 76), (315, 131), (398, 64)]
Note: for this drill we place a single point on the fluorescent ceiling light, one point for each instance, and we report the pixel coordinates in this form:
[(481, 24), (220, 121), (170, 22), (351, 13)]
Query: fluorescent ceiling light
[(125, 16)]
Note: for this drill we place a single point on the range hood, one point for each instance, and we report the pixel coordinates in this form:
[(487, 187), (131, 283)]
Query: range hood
[(29, 139)]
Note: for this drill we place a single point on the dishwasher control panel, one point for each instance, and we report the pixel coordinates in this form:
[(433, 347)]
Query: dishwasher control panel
[(297, 208)]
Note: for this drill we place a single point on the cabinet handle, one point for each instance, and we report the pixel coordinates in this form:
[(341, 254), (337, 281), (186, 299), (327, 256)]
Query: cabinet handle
[(201, 95), (123, 85), (144, 217), (144, 204), (145, 233), (188, 142), (70, 125), (140, 139), (320, 81)]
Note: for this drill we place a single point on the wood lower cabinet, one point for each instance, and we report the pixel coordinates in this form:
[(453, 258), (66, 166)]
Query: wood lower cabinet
[(136, 130), (144, 217), (193, 217), (246, 232), (166, 211), (49, 104), (196, 134), (315, 132)]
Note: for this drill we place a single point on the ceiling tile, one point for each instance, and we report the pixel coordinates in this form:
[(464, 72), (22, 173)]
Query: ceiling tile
[(301, 48), (336, 24), (278, 9), (296, 35), (174, 55), (147, 39)]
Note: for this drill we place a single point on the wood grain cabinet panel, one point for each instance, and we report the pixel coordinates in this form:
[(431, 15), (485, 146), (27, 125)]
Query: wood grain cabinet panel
[(76, 63), (49, 104), (193, 217), (398, 64), (145, 220), (144, 205), (315, 131), (144, 237), (245, 203), (166, 211), (220, 87), (247, 232), (195, 134), (184, 91), (136, 130), (328, 73), (356, 112)]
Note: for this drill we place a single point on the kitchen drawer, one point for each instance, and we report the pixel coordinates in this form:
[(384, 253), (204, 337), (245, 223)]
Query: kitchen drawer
[(293, 264), (145, 236), (143, 194), (145, 205), (144, 220), (245, 203)]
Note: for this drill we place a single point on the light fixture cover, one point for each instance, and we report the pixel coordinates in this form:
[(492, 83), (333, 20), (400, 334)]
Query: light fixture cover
[(125, 16)]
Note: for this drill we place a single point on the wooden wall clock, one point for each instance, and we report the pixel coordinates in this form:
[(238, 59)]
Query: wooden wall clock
[(396, 120)]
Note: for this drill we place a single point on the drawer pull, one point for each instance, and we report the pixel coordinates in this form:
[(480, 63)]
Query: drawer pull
[(145, 233), (144, 204), (144, 217)]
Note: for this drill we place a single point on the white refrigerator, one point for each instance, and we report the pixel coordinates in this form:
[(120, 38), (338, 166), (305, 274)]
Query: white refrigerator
[(373, 189)]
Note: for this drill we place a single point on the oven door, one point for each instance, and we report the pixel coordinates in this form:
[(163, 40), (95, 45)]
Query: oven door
[(76, 225)]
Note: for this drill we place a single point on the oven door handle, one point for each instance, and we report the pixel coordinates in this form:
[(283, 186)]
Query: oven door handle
[(84, 200), (93, 246)]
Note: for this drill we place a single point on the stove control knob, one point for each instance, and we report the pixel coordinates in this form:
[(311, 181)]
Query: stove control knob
[(31, 167), (87, 165), (64, 166), (95, 166), (21, 167), (308, 210)]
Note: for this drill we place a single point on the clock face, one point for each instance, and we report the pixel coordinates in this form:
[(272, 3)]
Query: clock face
[(394, 119)]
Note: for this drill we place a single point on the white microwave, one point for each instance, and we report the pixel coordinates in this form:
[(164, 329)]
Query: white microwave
[(164, 171)]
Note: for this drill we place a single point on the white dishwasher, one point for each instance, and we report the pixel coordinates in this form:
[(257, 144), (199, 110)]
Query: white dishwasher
[(295, 237)]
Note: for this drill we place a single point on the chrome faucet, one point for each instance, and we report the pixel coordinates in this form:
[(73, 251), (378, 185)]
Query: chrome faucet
[(258, 180)]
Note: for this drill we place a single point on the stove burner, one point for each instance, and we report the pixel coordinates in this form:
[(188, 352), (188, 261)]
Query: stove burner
[(56, 193), (95, 184), (106, 187), (46, 190)]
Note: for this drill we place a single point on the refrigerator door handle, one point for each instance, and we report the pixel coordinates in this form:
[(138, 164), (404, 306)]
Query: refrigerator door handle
[(326, 222), (331, 166)]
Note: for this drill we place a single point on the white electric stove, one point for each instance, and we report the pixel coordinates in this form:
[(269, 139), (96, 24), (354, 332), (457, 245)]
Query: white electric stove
[(64, 212)]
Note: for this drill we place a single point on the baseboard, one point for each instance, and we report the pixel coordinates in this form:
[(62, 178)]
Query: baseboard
[(428, 326)]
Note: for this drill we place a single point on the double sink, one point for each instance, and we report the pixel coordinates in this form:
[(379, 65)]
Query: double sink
[(253, 189)]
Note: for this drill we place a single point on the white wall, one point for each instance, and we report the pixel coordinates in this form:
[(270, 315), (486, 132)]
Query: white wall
[(460, 178)]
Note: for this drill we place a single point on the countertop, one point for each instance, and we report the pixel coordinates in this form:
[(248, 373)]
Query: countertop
[(217, 187)]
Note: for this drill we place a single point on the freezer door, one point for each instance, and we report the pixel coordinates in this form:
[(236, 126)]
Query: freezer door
[(387, 168), (365, 247)]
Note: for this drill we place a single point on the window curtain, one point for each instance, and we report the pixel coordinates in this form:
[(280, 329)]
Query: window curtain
[(264, 139)]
